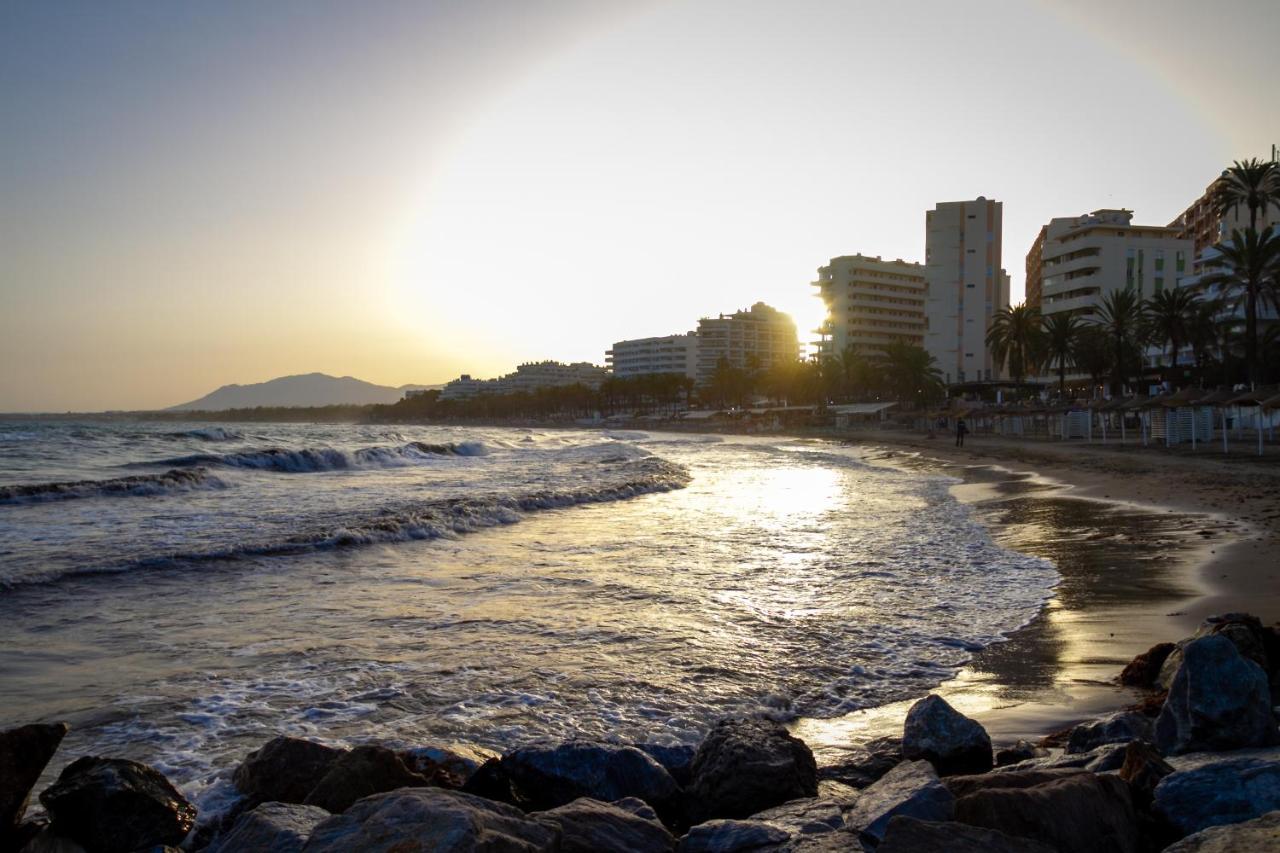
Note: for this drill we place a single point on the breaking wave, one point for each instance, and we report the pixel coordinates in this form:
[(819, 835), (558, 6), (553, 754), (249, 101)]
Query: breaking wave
[(142, 485), (209, 434), (313, 459)]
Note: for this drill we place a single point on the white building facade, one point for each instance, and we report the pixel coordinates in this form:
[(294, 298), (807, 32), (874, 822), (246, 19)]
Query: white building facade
[(871, 302), (967, 285), (527, 378), (760, 336), (646, 356)]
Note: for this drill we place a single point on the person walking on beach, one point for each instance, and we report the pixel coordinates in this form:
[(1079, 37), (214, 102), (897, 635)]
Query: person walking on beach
[(961, 429)]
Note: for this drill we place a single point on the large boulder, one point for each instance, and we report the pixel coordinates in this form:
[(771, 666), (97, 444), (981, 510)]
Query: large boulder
[(747, 765), (590, 826), (1144, 670), (1080, 813), (1023, 750), (365, 770), (270, 828), (947, 739), (809, 816), (431, 820), (1143, 769), (24, 752), (449, 766), (1218, 701), (110, 805), (733, 836), (677, 759), (284, 769), (909, 835), (963, 786), (1121, 727), (912, 789), (1100, 759), (1229, 790), (1260, 835), (545, 777)]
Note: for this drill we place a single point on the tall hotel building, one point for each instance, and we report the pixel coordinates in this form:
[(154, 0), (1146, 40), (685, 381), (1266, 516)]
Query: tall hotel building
[(966, 286), (647, 356), (1202, 224), (871, 302), (762, 334)]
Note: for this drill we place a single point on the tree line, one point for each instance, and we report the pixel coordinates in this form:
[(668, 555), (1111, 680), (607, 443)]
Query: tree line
[(1218, 320)]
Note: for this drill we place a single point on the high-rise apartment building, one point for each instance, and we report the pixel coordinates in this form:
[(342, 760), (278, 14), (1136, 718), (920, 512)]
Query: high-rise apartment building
[(644, 356), (1087, 257), (761, 336), (1202, 223), (966, 286), (871, 302), (1035, 270)]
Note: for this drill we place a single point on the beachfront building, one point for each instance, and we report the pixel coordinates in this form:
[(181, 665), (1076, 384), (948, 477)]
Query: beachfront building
[(464, 388), (1204, 226), (871, 302), (1087, 257), (966, 286), (527, 378), (1035, 270), (758, 337), (647, 356)]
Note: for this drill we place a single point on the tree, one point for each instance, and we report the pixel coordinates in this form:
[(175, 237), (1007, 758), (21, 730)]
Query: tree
[(1253, 184), (909, 372), (1170, 314), (1014, 339), (1202, 334), (1121, 317), (1250, 265), (1061, 334), (1092, 354)]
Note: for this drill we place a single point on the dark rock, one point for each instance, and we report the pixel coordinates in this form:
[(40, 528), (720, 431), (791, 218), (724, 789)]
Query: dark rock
[(24, 834), (449, 766), (1121, 727), (837, 792), (284, 770), (866, 763), (270, 828), (732, 836), (491, 782), (1023, 750), (912, 789), (677, 759), (1081, 813), (110, 804), (1218, 701), (747, 765), (590, 826), (909, 835), (1260, 835), (544, 777), (1098, 760), (963, 786), (365, 770), (1229, 790), (24, 752), (804, 817), (1143, 769), (944, 737), (1144, 670), (431, 820), (46, 842)]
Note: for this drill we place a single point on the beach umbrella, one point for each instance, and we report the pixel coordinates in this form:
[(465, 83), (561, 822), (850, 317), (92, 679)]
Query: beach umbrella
[(1185, 397), (1254, 398), (1218, 399)]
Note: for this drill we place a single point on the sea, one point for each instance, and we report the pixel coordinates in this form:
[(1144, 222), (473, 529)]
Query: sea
[(180, 593)]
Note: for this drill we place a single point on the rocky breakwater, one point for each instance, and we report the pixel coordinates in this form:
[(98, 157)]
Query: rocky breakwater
[(1195, 766)]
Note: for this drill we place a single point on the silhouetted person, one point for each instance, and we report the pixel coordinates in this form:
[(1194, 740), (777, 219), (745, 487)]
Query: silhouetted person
[(961, 429)]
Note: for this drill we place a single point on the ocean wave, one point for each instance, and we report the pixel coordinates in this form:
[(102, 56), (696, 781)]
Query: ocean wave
[(142, 485), (445, 518), (315, 459), (208, 434)]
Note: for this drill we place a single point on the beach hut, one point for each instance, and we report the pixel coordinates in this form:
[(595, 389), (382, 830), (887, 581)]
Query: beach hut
[(1254, 399), (1184, 418), (1218, 399)]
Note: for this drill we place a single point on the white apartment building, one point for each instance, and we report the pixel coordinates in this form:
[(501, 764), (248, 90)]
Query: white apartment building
[(464, 387), (967, 285), (645, 356), (527, 378), (871, 302), (1087, 257), (762, 334)]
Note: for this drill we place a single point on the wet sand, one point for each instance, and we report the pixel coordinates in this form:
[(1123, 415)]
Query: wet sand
[(1147, 544)]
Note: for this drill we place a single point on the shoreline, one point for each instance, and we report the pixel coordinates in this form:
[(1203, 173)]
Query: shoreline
[(1147, 548)]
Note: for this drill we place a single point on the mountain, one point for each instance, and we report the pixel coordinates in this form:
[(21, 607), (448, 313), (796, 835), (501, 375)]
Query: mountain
[(311, 389)]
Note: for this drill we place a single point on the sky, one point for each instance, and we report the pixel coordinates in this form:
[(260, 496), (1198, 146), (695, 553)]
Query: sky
[(195, 194)]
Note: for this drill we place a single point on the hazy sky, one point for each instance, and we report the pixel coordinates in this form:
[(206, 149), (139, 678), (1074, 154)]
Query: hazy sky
[(193, 194)]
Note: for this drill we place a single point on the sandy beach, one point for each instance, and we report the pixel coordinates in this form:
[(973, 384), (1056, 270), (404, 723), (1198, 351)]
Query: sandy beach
[(1148, 543)]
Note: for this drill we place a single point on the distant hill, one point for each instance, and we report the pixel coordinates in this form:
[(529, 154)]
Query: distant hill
[(311, 389)]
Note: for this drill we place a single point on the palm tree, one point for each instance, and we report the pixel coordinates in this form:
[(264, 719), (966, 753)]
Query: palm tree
[(1092, 354), (1121, 316), (1202, 333), (1169, 316), (851, 367), (909, 371), (1253, 184), (1060, 335), (1013, 339), (1250, 266)]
